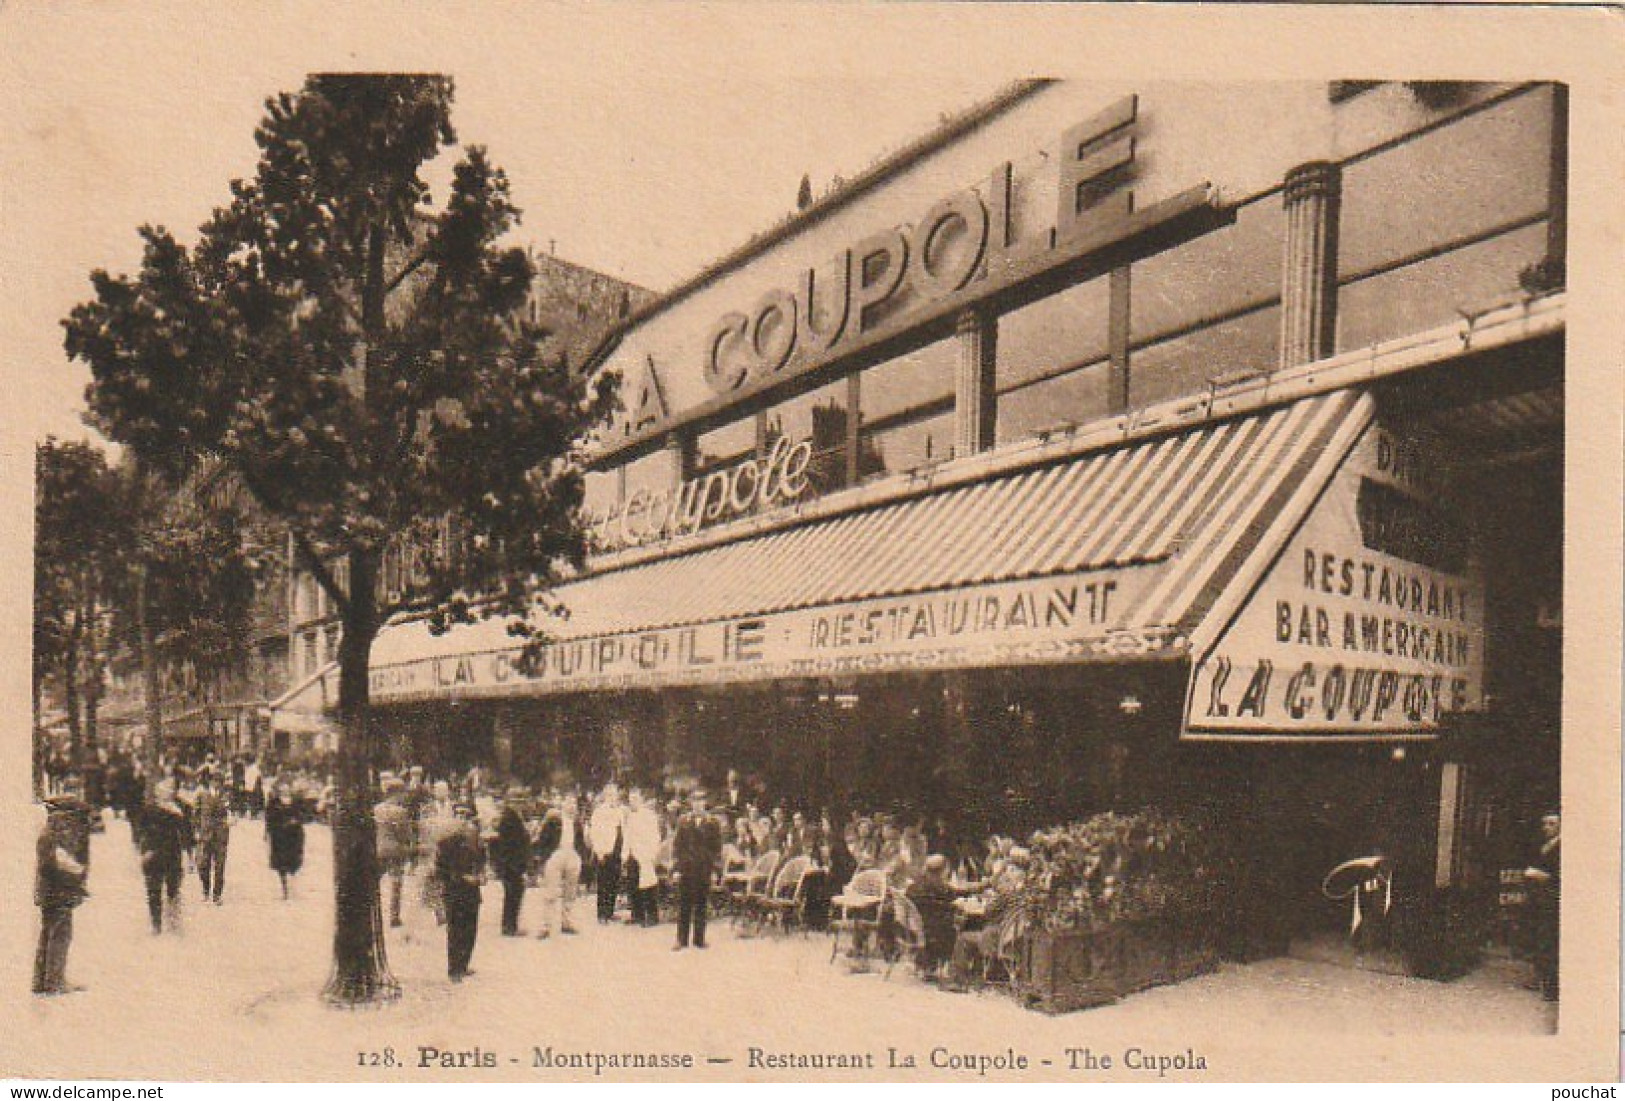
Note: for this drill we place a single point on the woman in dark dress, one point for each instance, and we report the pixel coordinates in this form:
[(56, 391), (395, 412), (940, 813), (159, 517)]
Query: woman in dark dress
[(285, 828)]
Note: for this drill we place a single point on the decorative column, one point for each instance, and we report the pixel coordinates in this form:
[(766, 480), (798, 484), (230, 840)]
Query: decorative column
[(976, 406), (1312, 197)]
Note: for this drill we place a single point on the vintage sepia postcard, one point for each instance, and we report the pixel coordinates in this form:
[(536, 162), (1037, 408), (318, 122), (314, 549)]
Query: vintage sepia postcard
[(818, 543)]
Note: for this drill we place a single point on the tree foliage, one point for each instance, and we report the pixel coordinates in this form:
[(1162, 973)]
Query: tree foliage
[(76, 559), (364, 366)]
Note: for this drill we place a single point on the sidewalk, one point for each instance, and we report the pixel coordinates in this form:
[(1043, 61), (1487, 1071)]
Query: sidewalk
[(237, 990)]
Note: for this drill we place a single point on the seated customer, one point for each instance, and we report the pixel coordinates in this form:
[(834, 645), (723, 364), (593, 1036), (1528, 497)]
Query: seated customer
[(933, 896), (972, 947)]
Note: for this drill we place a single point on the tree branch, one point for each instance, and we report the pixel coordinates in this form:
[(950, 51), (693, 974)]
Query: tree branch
[(318, 569), (406, 273), (306, 551)]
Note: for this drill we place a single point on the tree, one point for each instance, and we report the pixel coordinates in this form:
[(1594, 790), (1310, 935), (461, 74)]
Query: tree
[(77, 522), (184, 592), (365, 369)]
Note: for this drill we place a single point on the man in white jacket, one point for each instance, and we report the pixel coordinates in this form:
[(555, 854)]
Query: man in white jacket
[(562, 872), (643, 845)]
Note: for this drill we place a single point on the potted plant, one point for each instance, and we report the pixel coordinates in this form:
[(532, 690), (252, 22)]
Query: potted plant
[(1119, 903)]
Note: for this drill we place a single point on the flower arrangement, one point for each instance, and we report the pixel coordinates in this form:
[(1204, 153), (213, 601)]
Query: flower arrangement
[(1115, 868)]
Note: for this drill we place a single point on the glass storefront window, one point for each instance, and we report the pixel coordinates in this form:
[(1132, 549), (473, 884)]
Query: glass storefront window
[(726, 446), (909, 445), (908, 382), (1413, 298), (1222, 272), (1076, 397), (600, 493), (652, 472), (819, 417), (1487, 170)]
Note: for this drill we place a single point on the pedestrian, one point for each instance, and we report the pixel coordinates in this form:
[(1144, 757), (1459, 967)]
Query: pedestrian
[(239, 789), (285, 830), (416, 799), (457, 868), (1544, 876), (641, 874), (165, 837), (59, 887), (394, 826), (696, 851), (254, 782), (212, 818), (607, 835), (510, 858), (438, 820), (561, 843)]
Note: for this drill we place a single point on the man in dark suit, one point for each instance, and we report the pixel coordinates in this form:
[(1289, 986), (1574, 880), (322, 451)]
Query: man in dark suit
[(165, 837), (59, 886), (696, 851), (458, 867), (1544, 877), (510, 859)]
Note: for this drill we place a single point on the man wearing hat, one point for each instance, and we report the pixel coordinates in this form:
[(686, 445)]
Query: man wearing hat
[(59, 886), (458, 869), (510, 858), (696, 851), (394, 830)]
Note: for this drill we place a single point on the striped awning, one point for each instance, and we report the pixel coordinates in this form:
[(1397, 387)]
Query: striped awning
[(1168, 519), (304, 708)]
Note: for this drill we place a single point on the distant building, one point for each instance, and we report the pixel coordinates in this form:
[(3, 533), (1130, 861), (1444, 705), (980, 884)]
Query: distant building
[(577, 307)]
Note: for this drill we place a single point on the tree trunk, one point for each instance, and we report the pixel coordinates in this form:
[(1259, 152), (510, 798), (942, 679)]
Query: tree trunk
[(37, 744), (360, 965), (70, 690), (93, 689), (153, 746)]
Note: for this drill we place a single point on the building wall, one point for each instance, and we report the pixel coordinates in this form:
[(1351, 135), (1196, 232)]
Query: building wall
[(1444, 204)]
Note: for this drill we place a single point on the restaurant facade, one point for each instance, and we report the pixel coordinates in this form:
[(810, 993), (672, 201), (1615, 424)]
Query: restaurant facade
[(1197, 446)]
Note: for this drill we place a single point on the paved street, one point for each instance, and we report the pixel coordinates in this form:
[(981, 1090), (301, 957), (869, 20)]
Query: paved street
[(239, 986)]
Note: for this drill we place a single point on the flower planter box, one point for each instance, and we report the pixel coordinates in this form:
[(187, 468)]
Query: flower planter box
[(1068, 970)]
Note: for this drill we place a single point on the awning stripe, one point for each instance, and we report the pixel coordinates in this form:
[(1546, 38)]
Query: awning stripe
[(1296, 437), (1193, 467)]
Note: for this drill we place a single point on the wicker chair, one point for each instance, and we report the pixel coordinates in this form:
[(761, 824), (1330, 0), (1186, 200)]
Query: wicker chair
[(857, 909), (735, 878), (752, 902), (784, 899)]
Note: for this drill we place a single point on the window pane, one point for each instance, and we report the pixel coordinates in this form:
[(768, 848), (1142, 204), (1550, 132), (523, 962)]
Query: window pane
[(727, 445), (600, 493), (820, 417), (1410, 299), (910, 445), (909, 381), (1174, 368), (1485, 170), (1226, 270), (1055, 332), (1073, 398)]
